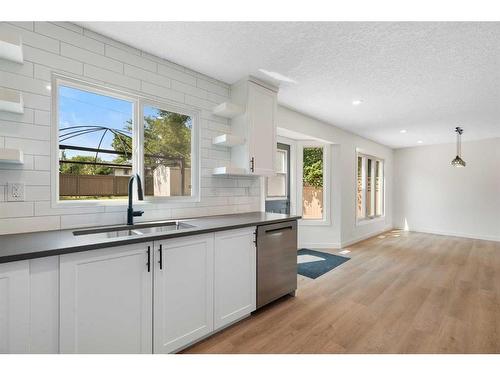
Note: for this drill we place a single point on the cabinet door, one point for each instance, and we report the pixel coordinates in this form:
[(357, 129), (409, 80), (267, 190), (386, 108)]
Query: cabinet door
[(106, 301), (14, 307), (235, 275), (262, 129), (183, 291)]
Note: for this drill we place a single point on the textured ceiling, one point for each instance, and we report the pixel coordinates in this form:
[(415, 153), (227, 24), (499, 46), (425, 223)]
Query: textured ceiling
[(426, 78)]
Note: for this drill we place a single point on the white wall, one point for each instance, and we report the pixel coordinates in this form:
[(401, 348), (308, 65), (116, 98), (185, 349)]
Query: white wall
[(343, 229), (432, 196), (79, 53)]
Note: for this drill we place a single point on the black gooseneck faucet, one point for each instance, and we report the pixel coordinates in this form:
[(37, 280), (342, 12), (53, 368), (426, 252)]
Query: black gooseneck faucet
[(130, 211)]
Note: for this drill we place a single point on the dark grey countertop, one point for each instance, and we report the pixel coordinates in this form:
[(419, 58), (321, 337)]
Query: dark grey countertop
[(22, 246)]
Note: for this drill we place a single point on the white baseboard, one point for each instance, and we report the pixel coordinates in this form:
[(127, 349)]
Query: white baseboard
[(455, 234), (366, 236)]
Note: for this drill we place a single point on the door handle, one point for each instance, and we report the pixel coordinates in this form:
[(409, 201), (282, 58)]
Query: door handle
[(161, 256), (149, 259), (252, 164)]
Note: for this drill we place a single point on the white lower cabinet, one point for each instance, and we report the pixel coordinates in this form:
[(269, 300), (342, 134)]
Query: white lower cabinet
[(183, 291), (235, 275), (106, 300), (142, 298), (14, 307)]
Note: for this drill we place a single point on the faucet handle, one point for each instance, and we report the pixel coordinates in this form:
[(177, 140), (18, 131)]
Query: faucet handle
[(138, 213)]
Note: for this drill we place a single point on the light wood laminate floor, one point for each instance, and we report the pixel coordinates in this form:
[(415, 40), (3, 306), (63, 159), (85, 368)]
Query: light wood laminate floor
[(400, 293)]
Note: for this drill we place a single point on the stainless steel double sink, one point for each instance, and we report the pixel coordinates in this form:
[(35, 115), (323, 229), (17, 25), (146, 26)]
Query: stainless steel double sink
[(134, 230)]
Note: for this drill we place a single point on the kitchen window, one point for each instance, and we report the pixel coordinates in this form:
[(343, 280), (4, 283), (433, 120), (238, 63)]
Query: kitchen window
[(103, 137), (369, 187)]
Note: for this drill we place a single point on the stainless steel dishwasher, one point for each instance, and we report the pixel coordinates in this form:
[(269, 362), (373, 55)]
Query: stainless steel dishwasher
[(276, 261)]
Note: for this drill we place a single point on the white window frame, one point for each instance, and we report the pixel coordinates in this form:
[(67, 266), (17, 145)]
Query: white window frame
[(138, 102), (327, 183), (287, 180), (365, 156)]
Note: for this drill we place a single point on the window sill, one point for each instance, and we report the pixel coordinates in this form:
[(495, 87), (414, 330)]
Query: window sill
[(124, 202), (314, 222), (377, 219)]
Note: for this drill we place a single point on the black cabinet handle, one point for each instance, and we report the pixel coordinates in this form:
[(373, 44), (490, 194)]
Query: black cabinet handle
[(149, 259), (252, 164), (161, 257)]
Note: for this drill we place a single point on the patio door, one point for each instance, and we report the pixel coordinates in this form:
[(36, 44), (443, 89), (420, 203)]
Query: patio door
[(278, 187)]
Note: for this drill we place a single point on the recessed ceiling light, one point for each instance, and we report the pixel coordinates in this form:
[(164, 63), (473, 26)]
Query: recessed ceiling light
[(356, 102), (277, 76), (402, 131), (48, 87), (420, 142)]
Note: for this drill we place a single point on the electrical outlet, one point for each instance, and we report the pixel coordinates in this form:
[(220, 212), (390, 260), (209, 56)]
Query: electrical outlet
[(15, 191)]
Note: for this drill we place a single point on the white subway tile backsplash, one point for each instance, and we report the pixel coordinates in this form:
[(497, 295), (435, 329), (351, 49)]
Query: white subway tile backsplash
[(91, 58), (22, 83), (131, 59), (28, 177), (213, 88), (25, 69), (31, 38), (64, 34), (146, 75), (42, 118), (21, 130), (111, 77), (28, 25), (37, 193), (35, 101), (188, 89), (176, 74), (162, 92), (111, 42), (26, 117), (41, 163), (15, 209), (29, 224), (29, 146), (68, 49), (92, 220), (52, 60)]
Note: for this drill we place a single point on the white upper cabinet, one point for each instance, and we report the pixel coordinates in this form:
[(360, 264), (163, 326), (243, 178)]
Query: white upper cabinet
[(256, 125), (106, 300), (183, 291), (14, 307), (235, 275)]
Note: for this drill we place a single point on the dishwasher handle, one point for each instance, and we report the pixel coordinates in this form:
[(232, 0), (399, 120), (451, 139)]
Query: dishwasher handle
[(278, 229)]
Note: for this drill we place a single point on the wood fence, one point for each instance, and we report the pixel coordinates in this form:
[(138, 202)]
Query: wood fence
[(312, 202)]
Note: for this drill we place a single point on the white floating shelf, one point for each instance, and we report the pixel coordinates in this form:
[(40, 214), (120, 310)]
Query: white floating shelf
[(11, 101), (228, 110), (11, 156), (11, 48), (230, 171), (228, 140)]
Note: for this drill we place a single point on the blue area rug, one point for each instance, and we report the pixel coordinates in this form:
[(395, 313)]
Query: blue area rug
[(313, 263)]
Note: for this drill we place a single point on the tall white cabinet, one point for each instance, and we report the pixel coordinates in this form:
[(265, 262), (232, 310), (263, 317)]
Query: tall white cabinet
[(183, 291), (235, 275), (14, 307), (255, 125), (106, 300)]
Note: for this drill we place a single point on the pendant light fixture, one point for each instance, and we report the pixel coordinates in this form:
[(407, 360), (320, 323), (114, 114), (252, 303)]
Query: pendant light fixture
[(458, 161)]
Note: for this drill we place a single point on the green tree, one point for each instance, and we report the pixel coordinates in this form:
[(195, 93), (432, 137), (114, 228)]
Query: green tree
[(166, 136), (83, 169), (313, 167)]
